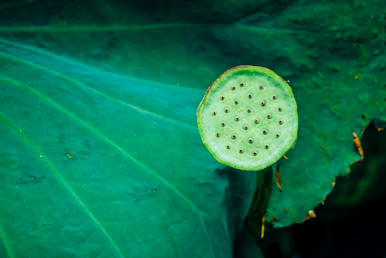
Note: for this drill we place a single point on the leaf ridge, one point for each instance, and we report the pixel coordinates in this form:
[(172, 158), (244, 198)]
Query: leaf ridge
[(5, 242), (225, 231), (91, 28), (62, 180), (80, 84), (128, 78)]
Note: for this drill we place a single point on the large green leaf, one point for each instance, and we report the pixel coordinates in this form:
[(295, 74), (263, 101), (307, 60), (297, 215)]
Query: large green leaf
[(96, 164), (87, 174)]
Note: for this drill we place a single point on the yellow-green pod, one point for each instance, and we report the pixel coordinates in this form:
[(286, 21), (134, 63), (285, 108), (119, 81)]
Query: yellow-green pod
[(248, 118)]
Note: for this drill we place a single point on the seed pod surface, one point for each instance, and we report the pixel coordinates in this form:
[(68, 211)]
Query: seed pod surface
[(278, 116)]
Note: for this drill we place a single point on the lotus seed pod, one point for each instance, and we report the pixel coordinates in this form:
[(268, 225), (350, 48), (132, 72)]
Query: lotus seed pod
[(261, 121)]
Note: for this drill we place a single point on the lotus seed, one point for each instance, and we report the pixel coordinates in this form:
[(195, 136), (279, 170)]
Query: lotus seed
[(262, 103), (234, 136), (281, 121), (217, 135), (267, 146), (249, 110), (257, 121), (222, 97), (261, 86), (240, 151), (250, 140), (237, 118), (254, 153), (236, 101), (226, 110), (245, 127), (223, 124), (250, 95), (280, 109), (269, 116), (274, 96), (277, 135), (242, 84), (265, 131), (233, 88), (228, 146), (214, 113)]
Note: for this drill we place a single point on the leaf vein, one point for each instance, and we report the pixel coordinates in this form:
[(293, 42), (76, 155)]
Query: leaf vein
[(5, 242), (82, 85), (128, 78), (61, 179)]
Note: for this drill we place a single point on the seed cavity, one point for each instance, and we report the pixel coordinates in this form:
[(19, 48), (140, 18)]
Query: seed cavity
[(245, 127), (237, 119), (222, 97), (233, 136), (262, 103), (226, 110), (257, 121), (255, 153), (281, 122), (242, 84), (277, 135), (261, 86), (266, 146), (280, 109), (265, 131), (237, 101), (214, 113), (241, 151), (274, 97), (269, 116), (217, 135), (233, 88), (223, 124), (249, 110), (250, 140), (250, 95), (227, 146)]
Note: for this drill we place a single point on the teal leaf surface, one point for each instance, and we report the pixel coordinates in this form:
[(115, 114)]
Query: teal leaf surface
[(101, 164), (86, 174)]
